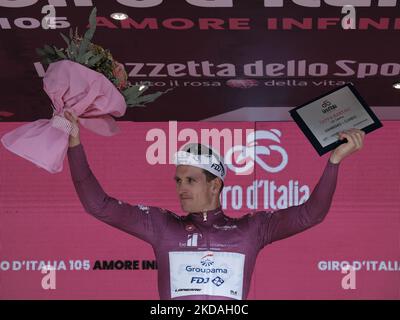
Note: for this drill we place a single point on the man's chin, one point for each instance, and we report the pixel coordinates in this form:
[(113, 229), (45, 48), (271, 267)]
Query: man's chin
[(187, 208)]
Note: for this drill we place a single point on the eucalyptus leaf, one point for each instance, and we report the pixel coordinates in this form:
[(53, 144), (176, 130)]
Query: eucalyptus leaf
[(82, 50), (83, 45), (73, 48), (95, 59), (65, 38), (88, 34), (61, 54), (140, 101), (131, 92), (144, 99), (85, 58), (93, 23), (48, 49)]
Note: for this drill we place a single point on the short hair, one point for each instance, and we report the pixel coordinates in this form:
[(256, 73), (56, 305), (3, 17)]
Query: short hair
[(199, 149), (210, 177)]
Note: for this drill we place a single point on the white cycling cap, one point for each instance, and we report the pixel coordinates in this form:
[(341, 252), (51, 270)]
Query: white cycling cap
[(203, 157)]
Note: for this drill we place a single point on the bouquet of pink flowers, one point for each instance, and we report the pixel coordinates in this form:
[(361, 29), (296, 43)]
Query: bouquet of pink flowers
[(81, 50), (85, 80)]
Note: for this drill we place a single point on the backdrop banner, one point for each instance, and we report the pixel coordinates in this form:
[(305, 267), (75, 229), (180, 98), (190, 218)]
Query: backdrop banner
[(42, 221)]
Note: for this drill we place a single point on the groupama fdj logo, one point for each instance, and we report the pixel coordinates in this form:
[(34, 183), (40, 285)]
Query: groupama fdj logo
[(207, 260)]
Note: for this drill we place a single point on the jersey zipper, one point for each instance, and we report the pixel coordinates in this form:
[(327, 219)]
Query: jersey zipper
[(205, 234)]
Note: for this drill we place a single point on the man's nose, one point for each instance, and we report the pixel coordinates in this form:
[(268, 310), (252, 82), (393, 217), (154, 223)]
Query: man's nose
[(182, 189)]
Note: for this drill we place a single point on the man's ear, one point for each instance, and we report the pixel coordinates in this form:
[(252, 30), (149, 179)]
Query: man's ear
[(216, 185)]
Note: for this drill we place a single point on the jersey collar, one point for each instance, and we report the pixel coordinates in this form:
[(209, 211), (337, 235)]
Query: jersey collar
[(207, 216)]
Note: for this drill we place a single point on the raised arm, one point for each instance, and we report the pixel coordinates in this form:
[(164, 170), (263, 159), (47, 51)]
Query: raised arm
[(287, 222), (135, 220), (273, 226)]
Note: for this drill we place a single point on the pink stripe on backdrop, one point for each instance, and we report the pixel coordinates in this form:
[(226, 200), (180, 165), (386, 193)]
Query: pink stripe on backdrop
[(41, 218)]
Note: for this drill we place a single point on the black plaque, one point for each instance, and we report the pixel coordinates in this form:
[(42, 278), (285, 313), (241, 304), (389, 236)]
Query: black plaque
[(338, 110)]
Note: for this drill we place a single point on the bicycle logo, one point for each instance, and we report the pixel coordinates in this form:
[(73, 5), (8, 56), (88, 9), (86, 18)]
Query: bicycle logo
[(252, 152)]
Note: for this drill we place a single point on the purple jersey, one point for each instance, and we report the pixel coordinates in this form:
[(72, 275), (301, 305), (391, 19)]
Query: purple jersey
[(205, 255)]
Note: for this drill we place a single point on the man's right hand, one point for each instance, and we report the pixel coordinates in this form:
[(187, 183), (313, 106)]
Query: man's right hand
[(73, 141)]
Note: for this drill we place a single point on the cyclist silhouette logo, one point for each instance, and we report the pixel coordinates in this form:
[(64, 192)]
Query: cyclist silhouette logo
[(241, 159)]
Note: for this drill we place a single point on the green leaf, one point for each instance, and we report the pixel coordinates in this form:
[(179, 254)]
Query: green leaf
[(49, 49), (73, 50), (40, 52), (65, 38), (47, 61), (86, 57), (60, 54), (132, 92), (143, 99), (95, 59), (82, 50), (93, 22), (92, 17), (88, 34), (139, 102)]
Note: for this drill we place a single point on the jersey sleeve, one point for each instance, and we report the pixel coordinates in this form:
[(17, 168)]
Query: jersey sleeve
[(137, 220), (283, 223)]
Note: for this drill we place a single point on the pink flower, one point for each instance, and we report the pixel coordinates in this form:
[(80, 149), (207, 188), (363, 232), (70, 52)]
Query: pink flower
[(120, 73)]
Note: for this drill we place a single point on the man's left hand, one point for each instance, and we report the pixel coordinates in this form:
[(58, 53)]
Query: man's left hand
[(355, 142)]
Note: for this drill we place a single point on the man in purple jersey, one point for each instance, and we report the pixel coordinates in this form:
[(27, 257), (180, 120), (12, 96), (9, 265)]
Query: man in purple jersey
[(205, 254)]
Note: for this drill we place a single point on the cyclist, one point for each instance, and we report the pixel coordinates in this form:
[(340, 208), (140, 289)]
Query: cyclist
[(205, 254)]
